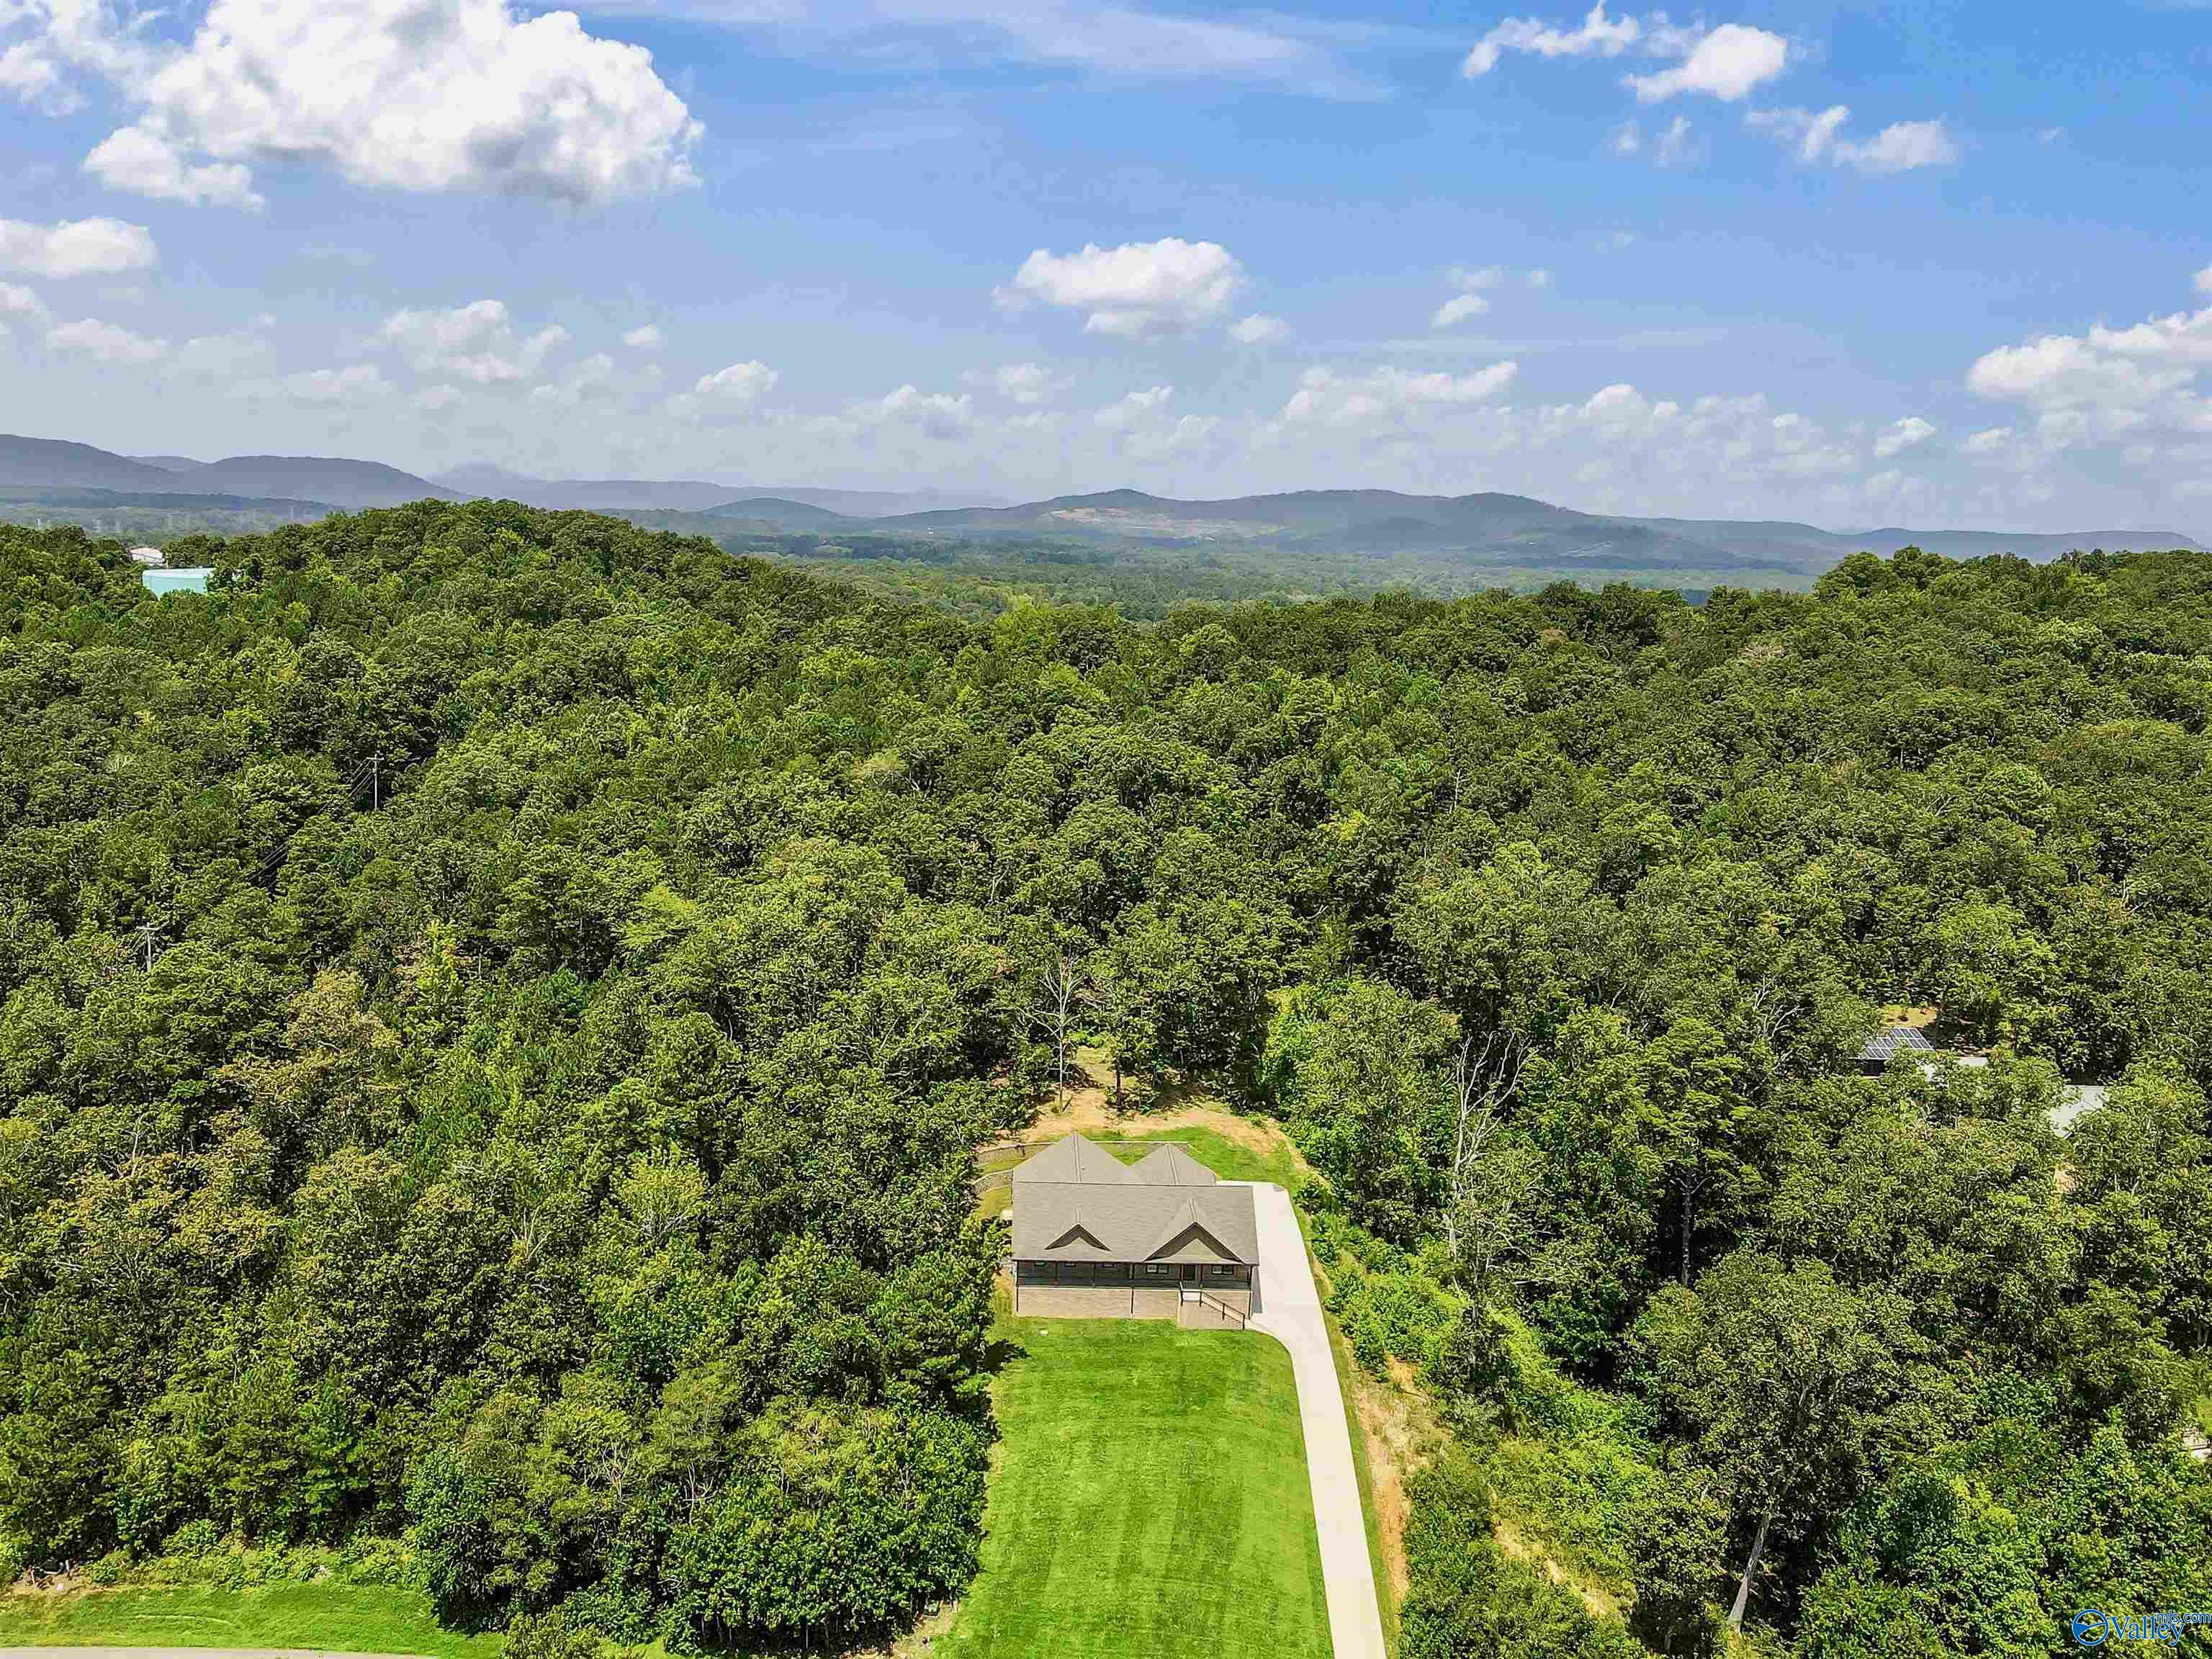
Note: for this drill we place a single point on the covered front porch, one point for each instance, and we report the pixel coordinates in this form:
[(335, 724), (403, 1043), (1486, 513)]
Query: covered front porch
[(1198, 1295)]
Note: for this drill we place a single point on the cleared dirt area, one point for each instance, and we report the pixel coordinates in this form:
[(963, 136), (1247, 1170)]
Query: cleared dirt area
[(1089, 1110)]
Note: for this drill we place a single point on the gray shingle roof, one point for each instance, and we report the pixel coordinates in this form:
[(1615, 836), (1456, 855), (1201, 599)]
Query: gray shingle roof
[(1072, 1158), (1167, 1208), (1171, 1166), (1893, 1040)]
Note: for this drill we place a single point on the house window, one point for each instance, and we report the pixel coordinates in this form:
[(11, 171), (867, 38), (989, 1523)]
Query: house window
[(1157, 1270)]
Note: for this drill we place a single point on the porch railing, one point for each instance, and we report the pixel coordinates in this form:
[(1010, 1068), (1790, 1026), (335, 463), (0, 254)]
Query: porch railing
[(1208, 1299)]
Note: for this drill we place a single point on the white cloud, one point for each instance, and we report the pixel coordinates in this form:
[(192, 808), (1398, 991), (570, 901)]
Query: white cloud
[(1726, 64), (1138, 288), (937, 416), (1120, 40), (739, 384), (134, 160), (1597, 35), (475, 342), (1389, 393), (1458, 309), (105, 342), (1674, 142), (18, 301), (431, 400), (646, 337), (1901, 435), (1539, 278), (34, 77), (1901, 147), (2127, 390), (1258, 329), (2204, 280), (594, 377), (219, 357), (1628, 140), (407, 94), (1133, 407), (356, 383), (1027, 384), (76, 247)]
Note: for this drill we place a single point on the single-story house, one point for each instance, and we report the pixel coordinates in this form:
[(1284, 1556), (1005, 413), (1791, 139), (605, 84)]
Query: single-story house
[(1162, 1238), (1889, 1041)]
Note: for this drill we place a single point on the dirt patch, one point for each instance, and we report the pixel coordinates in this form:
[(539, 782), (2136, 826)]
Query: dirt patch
[(1089, 1110), (1398, 1427), (1511, 1542)]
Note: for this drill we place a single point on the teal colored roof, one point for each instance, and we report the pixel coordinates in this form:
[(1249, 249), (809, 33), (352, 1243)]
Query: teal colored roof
[(159, 582)]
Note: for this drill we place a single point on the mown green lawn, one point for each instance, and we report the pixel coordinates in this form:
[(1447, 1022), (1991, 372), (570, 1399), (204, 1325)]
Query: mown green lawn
[(350, 1618), (1150, 1501)]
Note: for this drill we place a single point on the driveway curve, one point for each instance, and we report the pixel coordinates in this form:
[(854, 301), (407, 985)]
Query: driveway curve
[(1286, 1305)]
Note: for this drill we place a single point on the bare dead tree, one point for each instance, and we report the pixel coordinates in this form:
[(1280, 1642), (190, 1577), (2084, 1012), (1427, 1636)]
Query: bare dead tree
[(1053, 1014), (1484, 1080)]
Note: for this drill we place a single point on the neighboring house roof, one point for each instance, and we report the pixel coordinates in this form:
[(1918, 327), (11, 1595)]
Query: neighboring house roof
[(1074, 1202), (1893, 1040), (2074, 1099)]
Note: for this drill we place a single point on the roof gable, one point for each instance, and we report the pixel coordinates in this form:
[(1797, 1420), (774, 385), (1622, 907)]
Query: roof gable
[(1073, 1160), (1170, 1166)]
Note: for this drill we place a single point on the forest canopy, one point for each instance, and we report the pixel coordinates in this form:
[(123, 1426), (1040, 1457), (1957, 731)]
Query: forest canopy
[(497, 1009)]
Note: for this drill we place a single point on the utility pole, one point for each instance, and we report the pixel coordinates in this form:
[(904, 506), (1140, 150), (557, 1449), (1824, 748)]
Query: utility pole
[(147, 931), (375, 783)]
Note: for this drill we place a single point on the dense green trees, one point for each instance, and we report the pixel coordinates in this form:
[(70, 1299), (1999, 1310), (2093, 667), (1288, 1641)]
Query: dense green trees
[(496, 1009)]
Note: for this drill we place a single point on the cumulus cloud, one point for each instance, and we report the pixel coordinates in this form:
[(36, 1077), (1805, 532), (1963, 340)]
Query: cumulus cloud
[(35, 77), (594, 377), (475, 342), (425, 95), (1133, 407), (2138, 390), (20, 303), (1901, 147), (1328, 398), (1138, 288), (1901, 435), (1258, 329), (76, 247), (354, 383), (646, 337), (105, 342), (1027, 384), (738, 386), (141, 163), (1728, 63), (906, 411), (2204, 280)]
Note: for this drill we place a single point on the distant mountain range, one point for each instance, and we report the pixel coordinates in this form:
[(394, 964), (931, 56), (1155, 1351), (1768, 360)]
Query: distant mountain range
[(1480, 530), (693, 495)]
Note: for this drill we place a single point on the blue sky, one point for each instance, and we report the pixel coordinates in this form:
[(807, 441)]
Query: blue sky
[(1937, 265)]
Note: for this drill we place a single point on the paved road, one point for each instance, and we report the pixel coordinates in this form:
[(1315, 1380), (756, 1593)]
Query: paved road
[(1288, 1308)]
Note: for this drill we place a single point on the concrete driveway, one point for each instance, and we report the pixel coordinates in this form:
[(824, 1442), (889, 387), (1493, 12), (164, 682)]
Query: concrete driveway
[(1286, 1305)]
